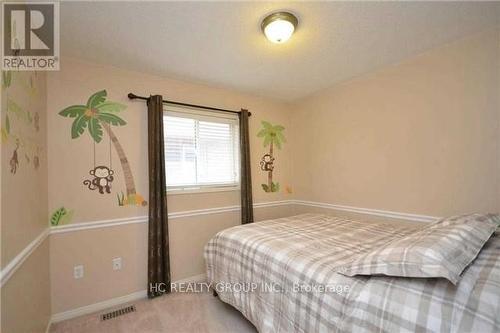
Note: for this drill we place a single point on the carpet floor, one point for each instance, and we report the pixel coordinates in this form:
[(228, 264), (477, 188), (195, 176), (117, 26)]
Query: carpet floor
[(176, 312)]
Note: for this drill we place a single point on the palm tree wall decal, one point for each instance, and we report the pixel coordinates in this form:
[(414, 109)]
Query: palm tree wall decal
[(273, 136), (96, 115)]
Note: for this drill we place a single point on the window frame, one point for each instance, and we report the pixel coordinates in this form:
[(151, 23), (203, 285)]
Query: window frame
[(202, 115)]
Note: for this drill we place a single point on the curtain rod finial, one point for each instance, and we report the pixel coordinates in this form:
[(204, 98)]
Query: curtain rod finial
[(131, 96)]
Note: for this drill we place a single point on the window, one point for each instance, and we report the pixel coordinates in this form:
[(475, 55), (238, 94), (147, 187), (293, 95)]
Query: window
[(201, 149)]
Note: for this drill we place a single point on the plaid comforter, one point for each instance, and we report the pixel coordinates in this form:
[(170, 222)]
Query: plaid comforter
[(281, 274)]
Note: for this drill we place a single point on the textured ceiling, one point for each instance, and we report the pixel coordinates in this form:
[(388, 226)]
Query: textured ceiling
[(220, 43)]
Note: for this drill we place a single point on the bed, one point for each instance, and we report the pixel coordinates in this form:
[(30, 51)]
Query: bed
[(283, 276)]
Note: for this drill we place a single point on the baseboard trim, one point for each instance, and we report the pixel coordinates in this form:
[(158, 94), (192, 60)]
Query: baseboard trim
[(18, 260), (88, 309), (370, 211), (96, 307)]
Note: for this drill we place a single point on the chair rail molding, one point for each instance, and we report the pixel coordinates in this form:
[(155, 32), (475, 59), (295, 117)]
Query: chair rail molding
[(18, 260), (219, 210), (370, 211), (171, 216)]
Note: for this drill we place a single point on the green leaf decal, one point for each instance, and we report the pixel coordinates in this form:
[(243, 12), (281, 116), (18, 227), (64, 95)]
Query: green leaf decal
[(73, 111), (95, 129), (267, 125), (110, 107), (281, 137), (14, 107), (267, 141), (121, 199), (5, 135), (7, 124), (111, 119), (262, 132), (131, 199), (66, 218), (96, 99), (265, 187), (79, 126), (57, 216), (6, 78)]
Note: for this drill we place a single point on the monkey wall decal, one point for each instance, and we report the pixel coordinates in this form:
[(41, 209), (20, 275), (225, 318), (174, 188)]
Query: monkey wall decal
[(36, 159), (267, 163), (14, 162), (37, 122), (103, 177)]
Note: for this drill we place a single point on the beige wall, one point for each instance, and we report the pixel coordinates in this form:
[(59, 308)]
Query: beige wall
[(417, 137), (70, 161), (26, 294)]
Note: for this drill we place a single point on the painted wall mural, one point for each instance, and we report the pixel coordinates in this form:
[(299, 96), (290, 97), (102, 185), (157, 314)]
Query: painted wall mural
[(21, 122), (97, 116), (273, 137)]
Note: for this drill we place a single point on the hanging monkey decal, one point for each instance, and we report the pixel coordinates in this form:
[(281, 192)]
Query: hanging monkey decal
[(14, 161), (266, 163), (103, 177), (36, 159)]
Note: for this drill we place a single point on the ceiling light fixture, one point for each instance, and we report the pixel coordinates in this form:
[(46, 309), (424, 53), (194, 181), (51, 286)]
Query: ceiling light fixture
[(279, 27)]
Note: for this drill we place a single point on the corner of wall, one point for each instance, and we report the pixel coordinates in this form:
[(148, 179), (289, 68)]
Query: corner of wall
[(498, 109), (25, 276)]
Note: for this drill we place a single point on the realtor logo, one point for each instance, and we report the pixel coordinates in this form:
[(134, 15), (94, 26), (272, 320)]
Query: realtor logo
[(30, 38)]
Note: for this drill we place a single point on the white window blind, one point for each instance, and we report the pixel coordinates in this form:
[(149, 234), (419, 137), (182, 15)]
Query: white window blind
[(201, 149)]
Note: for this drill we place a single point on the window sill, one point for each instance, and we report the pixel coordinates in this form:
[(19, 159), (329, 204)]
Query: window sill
[(202, 190)]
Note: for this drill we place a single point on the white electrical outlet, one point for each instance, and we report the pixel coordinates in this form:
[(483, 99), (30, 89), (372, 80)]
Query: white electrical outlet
[(117, 264), (78, 271)]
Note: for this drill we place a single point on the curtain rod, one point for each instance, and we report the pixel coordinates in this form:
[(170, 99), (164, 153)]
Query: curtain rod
[(134, 96)]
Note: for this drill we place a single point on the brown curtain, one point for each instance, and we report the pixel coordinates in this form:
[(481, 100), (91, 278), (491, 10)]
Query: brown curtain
[(158, 249), (245, 172)]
